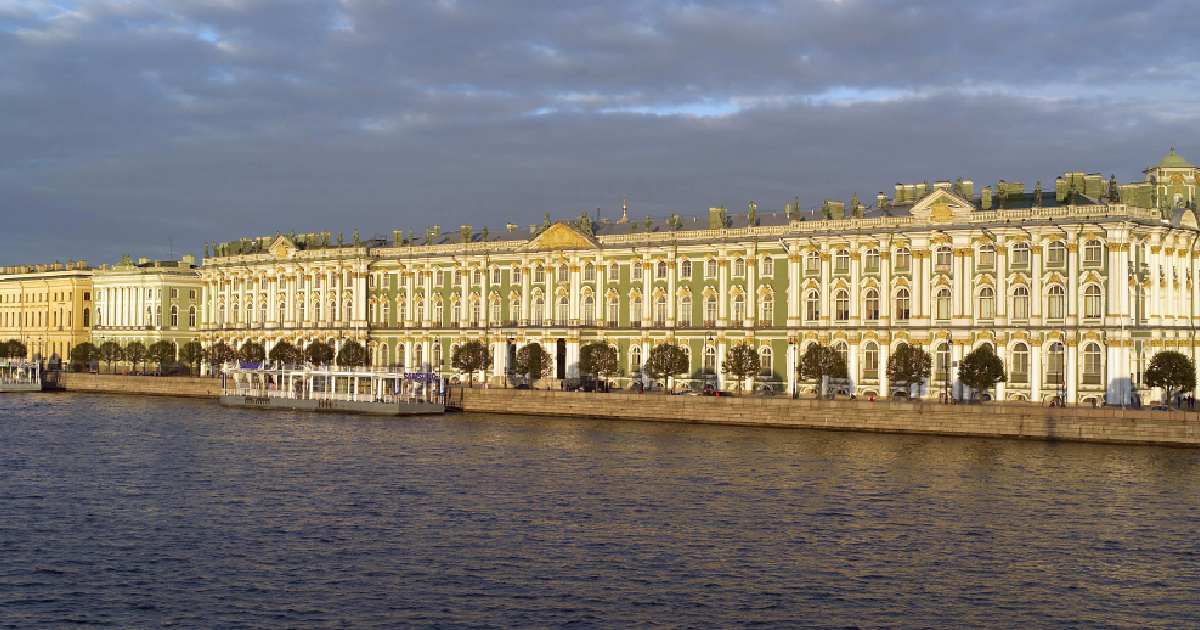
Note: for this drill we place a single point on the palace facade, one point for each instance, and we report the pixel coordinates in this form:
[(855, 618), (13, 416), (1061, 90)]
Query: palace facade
[(46, 307), (147, 301), (1075, 287)]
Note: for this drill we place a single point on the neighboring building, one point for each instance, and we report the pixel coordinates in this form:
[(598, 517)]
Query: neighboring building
[(147, 301), (47, 307), (1075, 287)]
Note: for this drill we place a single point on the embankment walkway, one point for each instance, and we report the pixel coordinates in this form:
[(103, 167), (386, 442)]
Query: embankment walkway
[(1081, 424)]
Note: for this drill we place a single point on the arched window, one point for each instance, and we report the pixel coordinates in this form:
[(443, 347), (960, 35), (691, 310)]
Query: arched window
[(902, 305), (660, 310), (496, 313), (614, 311), (1091, 302), (710, 310), (843, 350), (1091, 364), (383, 358), (871, 305), (872, 260), (685, 311), (474, 319), (739, 267), (539, 274), (685, 269), (903, 259), (589, 310), (400, 355), (636, 268), (942, 304), (841, 305), (766, 266), (635, 359), (589, 272), (349, 309), (987, 256), (174, 316), (1055, 302), (635, 310), (1019, 368), (385, 313), (1054, 363), (812, 306), (282, 312), (766, 310), (1056, 254), (439, 313), (249, 312), (537, 311), (841, 261), (987, 303), (564, 273), (870, 367), (1020, 303), (710, 360), (614, 271), (1020, 255), (455, 312), (262, 308), (300, 306), (1093, 253), (942, 362), (710, 268), (812, 264), (943, 257), (437, 354), (764, 361), (419, 356), (514, 310), (739, 308), (661, 270), (564, 311)]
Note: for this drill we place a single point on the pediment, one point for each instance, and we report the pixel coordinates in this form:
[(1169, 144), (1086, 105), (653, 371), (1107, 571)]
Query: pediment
[(942, 206), (282, 247), (562, 236)]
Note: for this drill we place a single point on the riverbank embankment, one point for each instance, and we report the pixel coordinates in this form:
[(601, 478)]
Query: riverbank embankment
[(1080, 424)]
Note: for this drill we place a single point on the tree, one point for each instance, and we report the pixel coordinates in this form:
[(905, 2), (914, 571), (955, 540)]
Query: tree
[(284, 353), (666, 360), (819, 362), (251, 352), (135, 353), (981, 369), (908, 365), (1173, 372), (219, 354), (470, 358), (163, 352), (111, 351), (14, 349), (4, 350), (741, 363), (191, 353), (83, 354), (319, 353), (351, 354), (533, 362), (598, 359)]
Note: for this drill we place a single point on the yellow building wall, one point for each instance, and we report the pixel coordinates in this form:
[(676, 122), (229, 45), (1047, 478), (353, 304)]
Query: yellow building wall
[(48, 308)]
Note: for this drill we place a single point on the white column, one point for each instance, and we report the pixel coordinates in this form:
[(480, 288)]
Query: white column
[(884, 384), (1071, 371)]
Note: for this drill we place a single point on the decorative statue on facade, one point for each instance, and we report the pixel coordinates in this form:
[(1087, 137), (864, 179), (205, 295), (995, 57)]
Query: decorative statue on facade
[(1114, 194), (792, 209), (585, 224), (545, 222), (341, 238), (206, 249), (357, 240), (751, 213), (1037, 194)]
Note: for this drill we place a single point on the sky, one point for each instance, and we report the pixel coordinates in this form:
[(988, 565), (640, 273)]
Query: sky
[(148, 127)]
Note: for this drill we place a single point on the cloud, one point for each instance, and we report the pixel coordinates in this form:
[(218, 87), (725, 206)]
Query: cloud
[(127, 123)]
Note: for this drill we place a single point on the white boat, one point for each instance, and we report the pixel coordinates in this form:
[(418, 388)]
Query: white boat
[(18, 375), (341, 390)]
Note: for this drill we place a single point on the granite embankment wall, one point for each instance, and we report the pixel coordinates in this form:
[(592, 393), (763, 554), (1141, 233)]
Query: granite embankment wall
[(1085, 424), (152, 385)]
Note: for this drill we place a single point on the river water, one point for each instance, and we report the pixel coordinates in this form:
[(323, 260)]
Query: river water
[(144, 512)]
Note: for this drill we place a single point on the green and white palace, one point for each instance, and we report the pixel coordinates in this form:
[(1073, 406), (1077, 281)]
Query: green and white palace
[(1076, 285)]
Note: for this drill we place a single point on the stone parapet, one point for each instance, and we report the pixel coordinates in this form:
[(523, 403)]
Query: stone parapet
[(147, 385)]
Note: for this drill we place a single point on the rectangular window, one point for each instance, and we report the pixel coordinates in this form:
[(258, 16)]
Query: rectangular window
[(174, 293), (637, 270)]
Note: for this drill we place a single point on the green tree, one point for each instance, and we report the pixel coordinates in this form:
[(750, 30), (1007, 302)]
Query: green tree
[(135, 354), (819, 362), (219, 354), (533, 362), (284, 353), (4, 352), (665, 361), (351, 354), (741, 363), (110, 352), (14, 349), (162, 352), (981, 369), (1173, 372), (191, 353), (83, 354), (319, 353), (908, 365), (251, 352), (599, 359), (469, 358)]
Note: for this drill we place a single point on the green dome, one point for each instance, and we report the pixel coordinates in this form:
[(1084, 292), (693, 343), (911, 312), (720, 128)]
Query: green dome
[(1173, 160)]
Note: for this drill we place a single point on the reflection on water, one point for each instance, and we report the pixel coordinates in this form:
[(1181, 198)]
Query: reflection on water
[(128, 511)]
